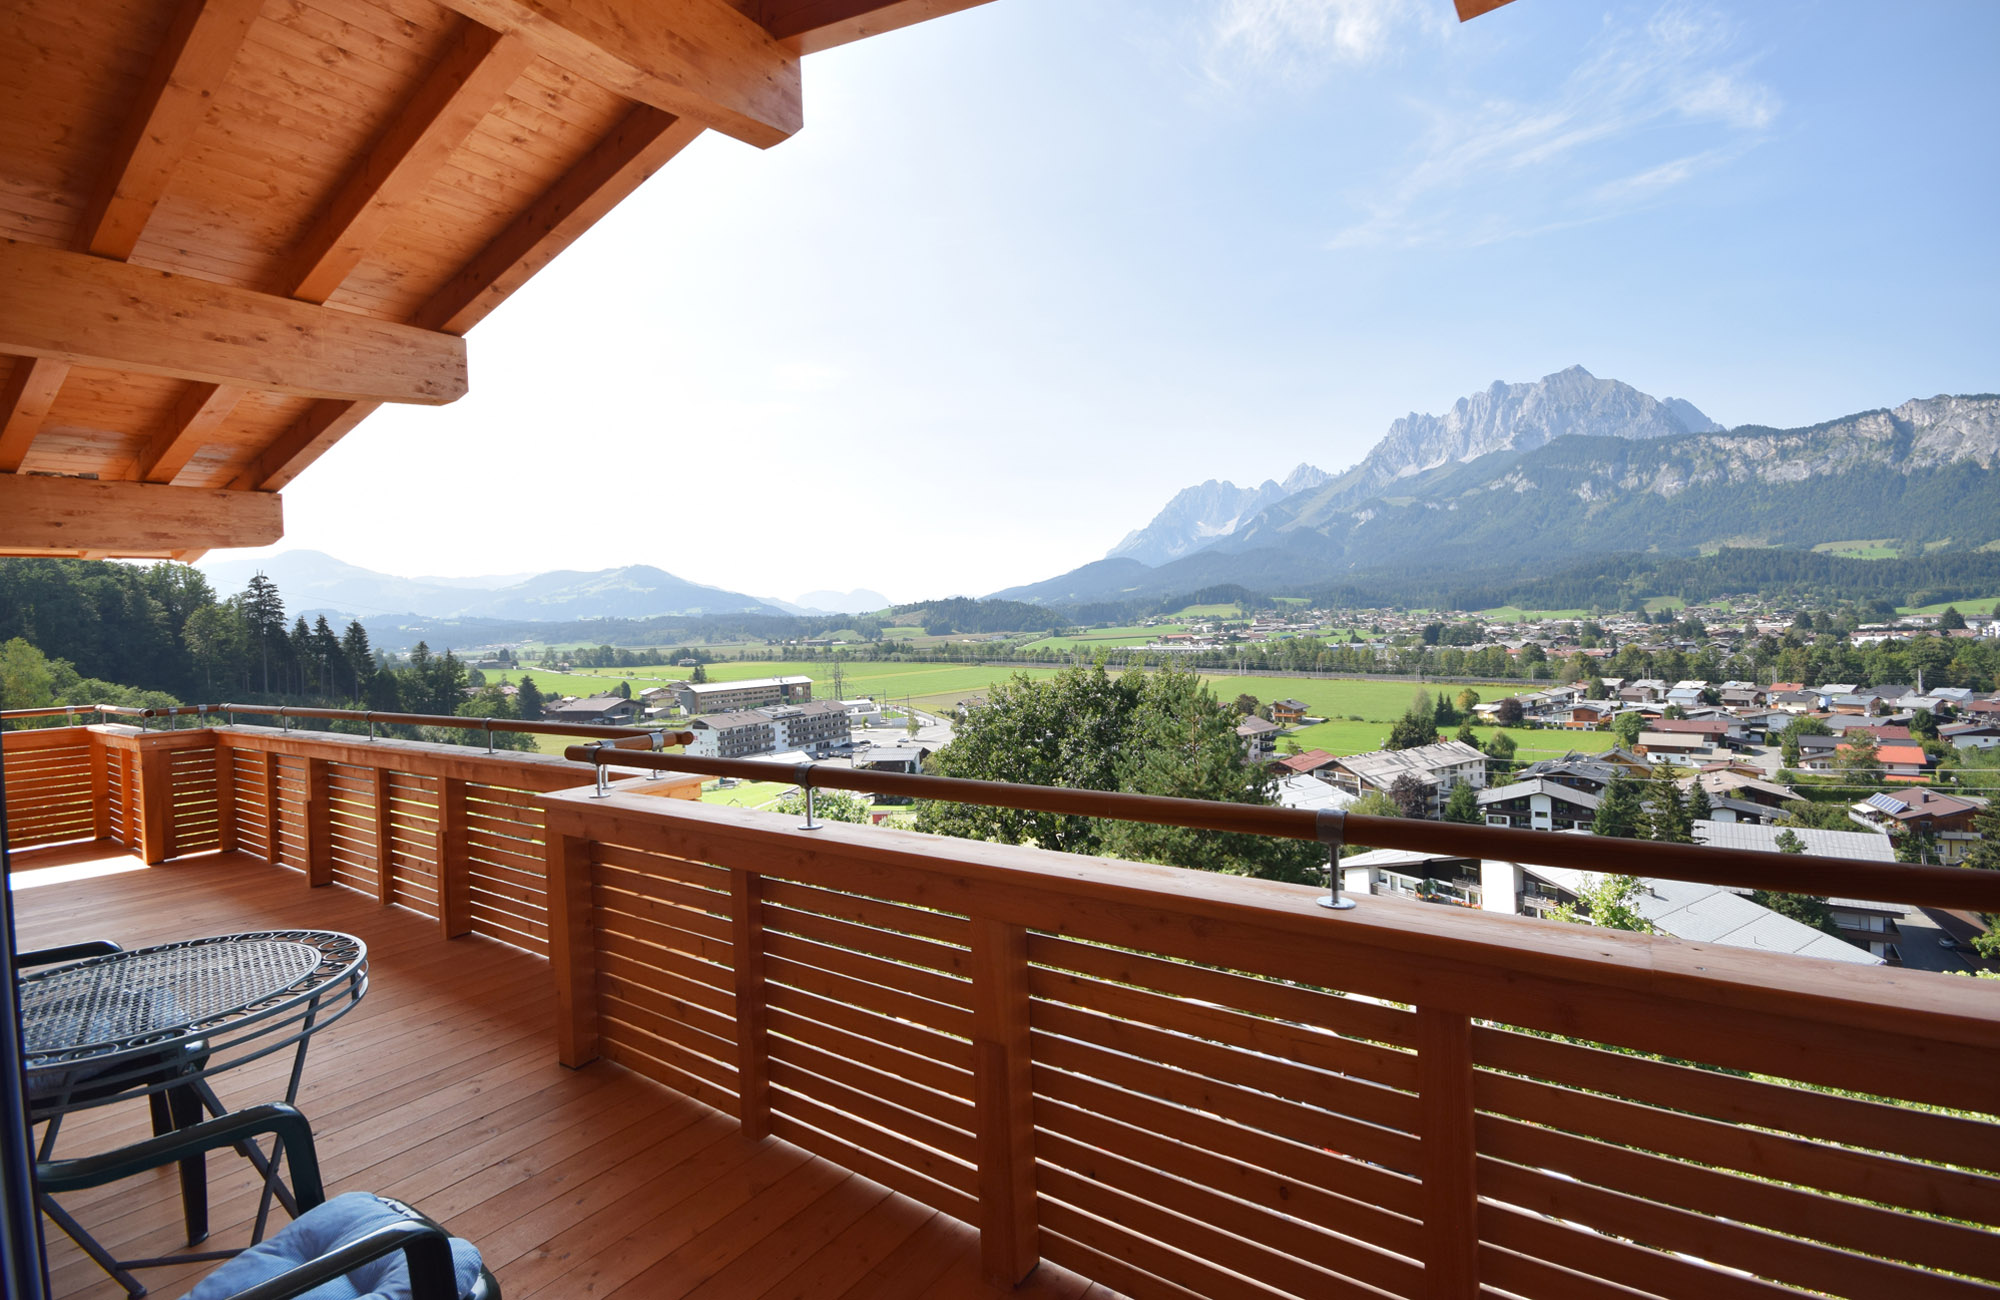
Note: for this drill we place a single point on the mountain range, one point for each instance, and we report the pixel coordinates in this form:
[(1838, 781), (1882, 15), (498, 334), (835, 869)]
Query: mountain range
[(1537, 474), (314, 582)]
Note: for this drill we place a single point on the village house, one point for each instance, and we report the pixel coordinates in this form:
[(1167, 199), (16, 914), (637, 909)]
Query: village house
[(597, 710), (1288, 713), (1437, 768), (1259, 737), (725, 697), (1538, 804)]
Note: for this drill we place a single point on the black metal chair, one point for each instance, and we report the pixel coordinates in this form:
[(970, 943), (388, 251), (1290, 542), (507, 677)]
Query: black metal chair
[(369, 1241)]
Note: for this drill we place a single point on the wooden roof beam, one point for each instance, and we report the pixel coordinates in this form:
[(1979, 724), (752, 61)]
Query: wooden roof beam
[(642, 143), (42, 515), (1471, 9), (192, 62), (475, 71), (698, 59), (809, 26), (461, 91), (24, 404), (88, 311)]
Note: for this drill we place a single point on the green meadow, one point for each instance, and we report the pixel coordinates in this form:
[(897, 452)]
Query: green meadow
[(1983, 605), (1515, 614), (1358, 713)]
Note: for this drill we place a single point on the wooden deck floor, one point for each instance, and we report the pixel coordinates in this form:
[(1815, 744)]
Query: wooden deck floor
[(443, 1089)]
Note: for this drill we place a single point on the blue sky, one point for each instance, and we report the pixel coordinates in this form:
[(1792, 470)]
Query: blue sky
[(1032, 268)]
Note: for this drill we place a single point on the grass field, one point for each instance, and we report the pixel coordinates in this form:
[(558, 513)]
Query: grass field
[(1342, 737), (936, 687), (1983, 605), (1211, 611), (1515, 614)]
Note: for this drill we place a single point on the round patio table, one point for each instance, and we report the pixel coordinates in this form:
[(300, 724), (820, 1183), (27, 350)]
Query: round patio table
[(160, 1022)]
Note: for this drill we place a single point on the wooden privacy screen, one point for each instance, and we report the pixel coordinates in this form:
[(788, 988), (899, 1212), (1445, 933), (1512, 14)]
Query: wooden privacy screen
[(52, 786), (1051, 1058)]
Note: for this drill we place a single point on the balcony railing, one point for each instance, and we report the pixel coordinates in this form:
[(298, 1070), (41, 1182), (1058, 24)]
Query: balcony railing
[(1172, 1082)]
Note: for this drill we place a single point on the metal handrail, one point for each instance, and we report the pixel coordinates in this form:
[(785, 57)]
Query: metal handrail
[(624, 737), (1927, 886)]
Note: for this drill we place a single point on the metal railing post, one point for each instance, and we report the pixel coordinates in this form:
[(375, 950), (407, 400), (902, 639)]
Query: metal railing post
[(1332, 827)]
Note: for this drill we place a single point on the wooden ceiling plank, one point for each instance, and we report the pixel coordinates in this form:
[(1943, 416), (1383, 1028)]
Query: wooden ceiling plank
[(1471, 9), (644, 141), (699, 59), (304, 442), (193, 61), (810, 26), (196, 416), (91, 311), (469, 81), (41, 514), (24, 403)]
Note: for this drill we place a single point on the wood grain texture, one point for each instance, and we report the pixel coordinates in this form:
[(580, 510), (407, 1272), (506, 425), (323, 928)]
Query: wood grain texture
[(441, 1088), (89, 311), (40, 515), (699, 59)]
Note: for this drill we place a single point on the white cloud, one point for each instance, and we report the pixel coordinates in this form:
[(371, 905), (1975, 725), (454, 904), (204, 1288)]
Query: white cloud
[(1649, 108), (1296, 43)]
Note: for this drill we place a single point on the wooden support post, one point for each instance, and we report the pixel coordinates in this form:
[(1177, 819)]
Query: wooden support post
[(753, 1060), (225, 797), (274, 852), (385, 837), (101, 759), (1004, 1103), (1448, 1157), (454, 873), (572, 948), (156, 804), (318, 824)]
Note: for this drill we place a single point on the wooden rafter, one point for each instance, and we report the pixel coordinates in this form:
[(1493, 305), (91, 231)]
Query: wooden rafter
[(469, 80), (809, 26), (474, 73), (195, 417), (1471, 9), (643, 142), (24, 404), (699, 59), (76, 516), (89, 311), (191, 64)]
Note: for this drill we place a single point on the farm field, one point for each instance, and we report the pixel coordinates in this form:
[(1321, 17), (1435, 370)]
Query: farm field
[(1515, 614), (1982, 605), (938, 686), (1342, 737)]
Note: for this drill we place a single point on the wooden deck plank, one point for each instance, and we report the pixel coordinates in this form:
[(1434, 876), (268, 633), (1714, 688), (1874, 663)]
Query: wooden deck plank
[(443, 1087)]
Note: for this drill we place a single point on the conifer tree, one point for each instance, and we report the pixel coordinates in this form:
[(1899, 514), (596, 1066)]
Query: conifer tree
[(1620, 811)]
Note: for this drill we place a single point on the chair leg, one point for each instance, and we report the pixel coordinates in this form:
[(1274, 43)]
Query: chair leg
[(163, 1119), (186, 1109), (88, 1244)]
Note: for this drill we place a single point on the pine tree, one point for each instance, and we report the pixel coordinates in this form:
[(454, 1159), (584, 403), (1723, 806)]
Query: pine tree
[(1620, 811), (264, 612), (528, 700), (1463, 805), (359, 657), (1667, 817), (1699, 808)]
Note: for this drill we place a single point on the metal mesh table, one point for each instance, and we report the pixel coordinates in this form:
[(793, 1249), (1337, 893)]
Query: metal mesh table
[(159, 1022)]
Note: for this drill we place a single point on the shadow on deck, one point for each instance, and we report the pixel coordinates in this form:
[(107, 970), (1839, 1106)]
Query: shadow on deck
[(442, 1088)]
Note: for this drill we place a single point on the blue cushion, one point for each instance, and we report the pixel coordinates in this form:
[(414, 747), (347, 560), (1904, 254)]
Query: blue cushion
[(322, 1230)]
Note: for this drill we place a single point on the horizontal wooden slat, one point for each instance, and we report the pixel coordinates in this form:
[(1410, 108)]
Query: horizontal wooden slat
[(942, 1121), (1919, 1134), (1716, 1241), (1146, 1254), (1930, 1243), (1243, 1105), (879, 998), (904, 948), (1355, 1017), (1295, 1256), (940, 926), (904, 1035), (1308, 1163), (1234, 1171), (1860, 1174)]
